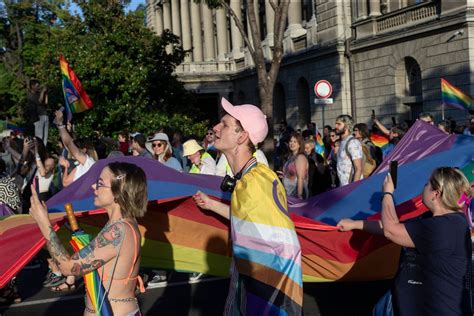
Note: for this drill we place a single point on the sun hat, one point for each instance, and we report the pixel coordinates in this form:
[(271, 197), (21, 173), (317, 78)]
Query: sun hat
[(252, 119), (158, 136), (191, 147)]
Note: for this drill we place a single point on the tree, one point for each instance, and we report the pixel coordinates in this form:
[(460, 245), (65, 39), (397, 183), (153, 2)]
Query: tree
[(267, 71), (124, 68)]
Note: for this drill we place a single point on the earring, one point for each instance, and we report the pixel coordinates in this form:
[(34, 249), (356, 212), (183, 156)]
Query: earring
[(115, 200)]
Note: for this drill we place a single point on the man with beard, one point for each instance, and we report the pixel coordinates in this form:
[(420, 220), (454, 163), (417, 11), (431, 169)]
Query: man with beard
[(349, 156)]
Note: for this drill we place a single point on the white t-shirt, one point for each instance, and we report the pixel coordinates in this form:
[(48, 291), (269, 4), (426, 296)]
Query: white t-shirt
[(82, 169), (223, 167), (344, 163)]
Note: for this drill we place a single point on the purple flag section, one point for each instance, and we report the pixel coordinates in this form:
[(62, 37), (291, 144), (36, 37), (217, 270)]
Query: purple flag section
[(164, 184), (421, 150)]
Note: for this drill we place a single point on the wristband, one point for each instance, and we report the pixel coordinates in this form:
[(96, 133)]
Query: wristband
[(37, 157), (61, 126), (386, 193)]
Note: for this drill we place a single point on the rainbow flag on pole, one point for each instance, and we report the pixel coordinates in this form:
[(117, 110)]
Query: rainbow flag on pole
[(75, 96), (454, 97)]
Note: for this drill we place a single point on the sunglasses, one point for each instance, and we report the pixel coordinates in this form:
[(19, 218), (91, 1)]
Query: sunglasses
[(210, 133), (332, 136), (156, 145), (99, 184)]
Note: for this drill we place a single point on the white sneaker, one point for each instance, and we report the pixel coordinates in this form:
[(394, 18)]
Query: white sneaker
[(158, 280), (195, 276)]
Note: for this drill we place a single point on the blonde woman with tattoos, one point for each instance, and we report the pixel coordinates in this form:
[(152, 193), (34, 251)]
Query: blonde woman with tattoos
[(122, 191)]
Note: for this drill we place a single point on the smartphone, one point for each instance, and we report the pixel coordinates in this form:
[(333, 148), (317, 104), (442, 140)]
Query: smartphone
[(394, 122), (61, 109), (373, 112), (393, 172), (36, 185)]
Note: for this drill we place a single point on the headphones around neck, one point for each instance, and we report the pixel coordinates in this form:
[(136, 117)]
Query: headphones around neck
[(229, 182)]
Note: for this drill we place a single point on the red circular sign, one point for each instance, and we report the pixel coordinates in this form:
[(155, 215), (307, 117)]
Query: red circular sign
[(323, 89)]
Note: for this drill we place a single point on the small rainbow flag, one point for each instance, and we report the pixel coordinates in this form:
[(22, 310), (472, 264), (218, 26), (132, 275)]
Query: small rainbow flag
[(320, 149), (379, 140), (454, 97), (75, 96)]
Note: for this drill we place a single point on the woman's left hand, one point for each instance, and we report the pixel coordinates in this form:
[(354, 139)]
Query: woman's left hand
[(38, 209), (388, 184)]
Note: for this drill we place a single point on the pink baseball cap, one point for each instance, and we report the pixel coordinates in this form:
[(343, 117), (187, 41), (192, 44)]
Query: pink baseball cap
[(251, 117)]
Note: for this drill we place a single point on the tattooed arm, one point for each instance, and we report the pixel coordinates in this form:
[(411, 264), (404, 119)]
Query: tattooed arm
[(101, 250)]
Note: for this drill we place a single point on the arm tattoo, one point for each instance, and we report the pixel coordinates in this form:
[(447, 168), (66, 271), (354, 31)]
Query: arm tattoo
[(56, 248), (81, 268), (111, 235)]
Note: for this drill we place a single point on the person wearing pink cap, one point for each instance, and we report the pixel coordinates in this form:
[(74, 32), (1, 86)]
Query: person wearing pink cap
[(266, 254)]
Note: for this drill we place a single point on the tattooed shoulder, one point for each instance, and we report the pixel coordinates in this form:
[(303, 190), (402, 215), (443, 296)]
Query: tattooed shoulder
[(111, 235)]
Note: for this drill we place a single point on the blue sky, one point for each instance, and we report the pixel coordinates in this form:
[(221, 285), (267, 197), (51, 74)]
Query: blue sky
[(133, 5)]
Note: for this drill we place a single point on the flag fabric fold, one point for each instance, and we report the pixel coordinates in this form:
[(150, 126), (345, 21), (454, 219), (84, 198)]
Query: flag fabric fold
[(178, 235), (75, 97)]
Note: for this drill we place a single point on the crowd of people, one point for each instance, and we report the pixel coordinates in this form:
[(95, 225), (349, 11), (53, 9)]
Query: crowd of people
[(307, 163)]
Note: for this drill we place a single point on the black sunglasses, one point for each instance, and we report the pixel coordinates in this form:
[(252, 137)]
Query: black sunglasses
[(156, 145)]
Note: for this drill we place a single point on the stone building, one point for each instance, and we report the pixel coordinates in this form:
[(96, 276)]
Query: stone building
[(385, 55)]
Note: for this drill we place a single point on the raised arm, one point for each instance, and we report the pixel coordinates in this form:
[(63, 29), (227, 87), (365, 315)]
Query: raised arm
[(101, 250), (392, 228), (381, 127), (67, 139), (301, 164), (205, 202)]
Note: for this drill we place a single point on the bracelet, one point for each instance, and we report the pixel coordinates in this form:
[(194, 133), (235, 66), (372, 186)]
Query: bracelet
[(37, 157), (384, 194), (61, 126)]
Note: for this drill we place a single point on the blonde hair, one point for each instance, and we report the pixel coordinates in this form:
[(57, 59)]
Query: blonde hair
[(129, 188), (452, 184)]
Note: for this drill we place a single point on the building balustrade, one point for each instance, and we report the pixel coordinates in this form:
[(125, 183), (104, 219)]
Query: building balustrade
[(396, 20)]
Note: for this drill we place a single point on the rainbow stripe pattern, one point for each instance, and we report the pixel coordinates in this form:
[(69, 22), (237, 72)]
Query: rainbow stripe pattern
[(266, 249), (180, 236), (75, 96), (94, 288), (379, 140), (454, 97), (320, 148)]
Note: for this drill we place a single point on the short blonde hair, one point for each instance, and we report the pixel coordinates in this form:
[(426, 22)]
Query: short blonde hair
[(452, 184), (129, 188)]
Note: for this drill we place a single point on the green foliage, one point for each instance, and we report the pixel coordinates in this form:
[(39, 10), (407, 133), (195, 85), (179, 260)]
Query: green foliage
[(123, 67)]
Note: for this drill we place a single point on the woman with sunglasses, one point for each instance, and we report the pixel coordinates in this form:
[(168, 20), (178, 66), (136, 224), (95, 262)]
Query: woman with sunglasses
[(162, 151), (434, 268), (122, 191)]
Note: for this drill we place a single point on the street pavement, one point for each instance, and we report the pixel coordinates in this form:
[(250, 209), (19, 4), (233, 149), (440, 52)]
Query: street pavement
[(181, 297)]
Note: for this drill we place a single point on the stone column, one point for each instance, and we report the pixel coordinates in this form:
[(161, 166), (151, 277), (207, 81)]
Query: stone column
[(269, 20), (221, 22), (294, 20), (175, 18), (159, 20), (362, 9), (208, 24), (185, 26), (236, 36), (150, 15), (167, 15), (374, 6), (196, 31)]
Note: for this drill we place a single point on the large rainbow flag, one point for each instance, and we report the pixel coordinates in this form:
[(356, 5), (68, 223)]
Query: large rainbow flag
[(75, 96), (179, 236), (454, 97)]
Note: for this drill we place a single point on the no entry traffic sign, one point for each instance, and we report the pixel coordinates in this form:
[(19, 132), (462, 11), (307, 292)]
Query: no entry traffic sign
[(323, 89)]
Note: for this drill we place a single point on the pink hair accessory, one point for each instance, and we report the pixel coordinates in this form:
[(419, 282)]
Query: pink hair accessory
[(464, 199)]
